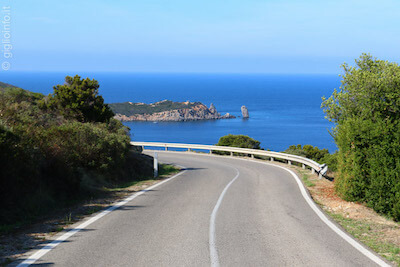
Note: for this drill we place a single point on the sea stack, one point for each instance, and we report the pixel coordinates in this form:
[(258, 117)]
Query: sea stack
[(245, 112), (212, 108)]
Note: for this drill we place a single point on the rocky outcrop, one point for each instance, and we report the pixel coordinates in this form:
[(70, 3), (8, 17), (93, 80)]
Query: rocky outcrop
[(245, 112), (193, 112), (212, 108)]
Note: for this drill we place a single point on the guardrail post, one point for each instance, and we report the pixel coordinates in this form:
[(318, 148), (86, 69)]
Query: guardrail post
[(252, 156), (272, 159), (142, 148), (155, 164), (210, 151), (231, 154), (303, 166), (289, 162), (312, 171), (166, 148), (320, 176), (189, 150)]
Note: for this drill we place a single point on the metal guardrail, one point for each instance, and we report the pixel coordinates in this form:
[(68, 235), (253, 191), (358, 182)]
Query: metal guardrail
[(321, 169)]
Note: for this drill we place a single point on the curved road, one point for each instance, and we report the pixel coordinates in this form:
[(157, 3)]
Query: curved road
[(261, 220)]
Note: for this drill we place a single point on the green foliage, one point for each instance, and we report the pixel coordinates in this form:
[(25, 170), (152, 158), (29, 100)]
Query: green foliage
[(79, 99), (167, 169), (307, 151), (129, 109), (242, 141), (366, 111), (6, 85), (52, 158), (314, 153), (330, 160)]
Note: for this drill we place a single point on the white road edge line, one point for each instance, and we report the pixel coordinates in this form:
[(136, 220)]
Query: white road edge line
[(349, 239), (212, 243), (336, 229), (36, 256)]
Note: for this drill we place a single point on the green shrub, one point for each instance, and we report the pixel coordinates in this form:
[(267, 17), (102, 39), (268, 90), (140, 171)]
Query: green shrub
[(242, 141), (366, 112), (51, 158), (312, 152), (308, 151)]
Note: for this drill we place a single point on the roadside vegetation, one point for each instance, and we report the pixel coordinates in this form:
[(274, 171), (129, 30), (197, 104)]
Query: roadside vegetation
[(312, 152), (308, 151), (242, 141), (366, 113), (59, 149)]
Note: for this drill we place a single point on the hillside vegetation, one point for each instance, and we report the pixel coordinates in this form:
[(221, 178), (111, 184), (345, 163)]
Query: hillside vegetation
[(6, 85), (56, 149), (129, 108), (366, 112)]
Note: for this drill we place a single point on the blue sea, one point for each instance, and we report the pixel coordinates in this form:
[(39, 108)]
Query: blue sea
[(284, 109)]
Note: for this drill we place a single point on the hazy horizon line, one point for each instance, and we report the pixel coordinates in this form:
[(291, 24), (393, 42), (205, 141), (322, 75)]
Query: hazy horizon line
[(170, 72)]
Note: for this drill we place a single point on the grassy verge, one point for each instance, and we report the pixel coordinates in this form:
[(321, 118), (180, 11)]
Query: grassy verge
[(306, 178), (167, 170), (370, 234)]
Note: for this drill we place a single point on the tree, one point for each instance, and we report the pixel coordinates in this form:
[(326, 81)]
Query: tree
[(369, 91), (366, 113), (80, 99), (242, 141)]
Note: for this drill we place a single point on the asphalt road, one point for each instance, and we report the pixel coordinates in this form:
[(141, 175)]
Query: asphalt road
[(262, 220)]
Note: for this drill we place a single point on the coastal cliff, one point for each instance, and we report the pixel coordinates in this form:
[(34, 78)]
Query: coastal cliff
[(166, 111)]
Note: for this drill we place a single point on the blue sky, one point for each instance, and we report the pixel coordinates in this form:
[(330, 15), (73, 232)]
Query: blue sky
[(268, 36)]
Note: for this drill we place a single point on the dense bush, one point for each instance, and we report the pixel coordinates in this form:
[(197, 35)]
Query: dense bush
[(50, 158), (307, 151), (312, 152), (242, 141), (366, 111)]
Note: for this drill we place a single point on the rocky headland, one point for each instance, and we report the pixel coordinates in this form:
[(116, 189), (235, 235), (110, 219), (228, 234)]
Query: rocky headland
[(166, 111)]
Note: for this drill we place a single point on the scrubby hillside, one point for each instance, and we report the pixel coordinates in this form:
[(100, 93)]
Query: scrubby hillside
[(6, 85), (59, 148)]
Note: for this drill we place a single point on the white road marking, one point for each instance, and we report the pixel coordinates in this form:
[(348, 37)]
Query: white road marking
[(331, 225), (212, 243), (36, 256), (349, 239)]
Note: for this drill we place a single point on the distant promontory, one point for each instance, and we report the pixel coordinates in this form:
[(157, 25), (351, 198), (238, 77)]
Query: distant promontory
[(166, 110)]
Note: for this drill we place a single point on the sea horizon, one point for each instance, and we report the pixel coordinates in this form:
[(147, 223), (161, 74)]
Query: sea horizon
[(284, 108)]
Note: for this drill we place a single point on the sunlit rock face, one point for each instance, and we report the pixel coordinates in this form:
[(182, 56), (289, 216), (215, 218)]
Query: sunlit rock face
[(245, 112), (193, 112)]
